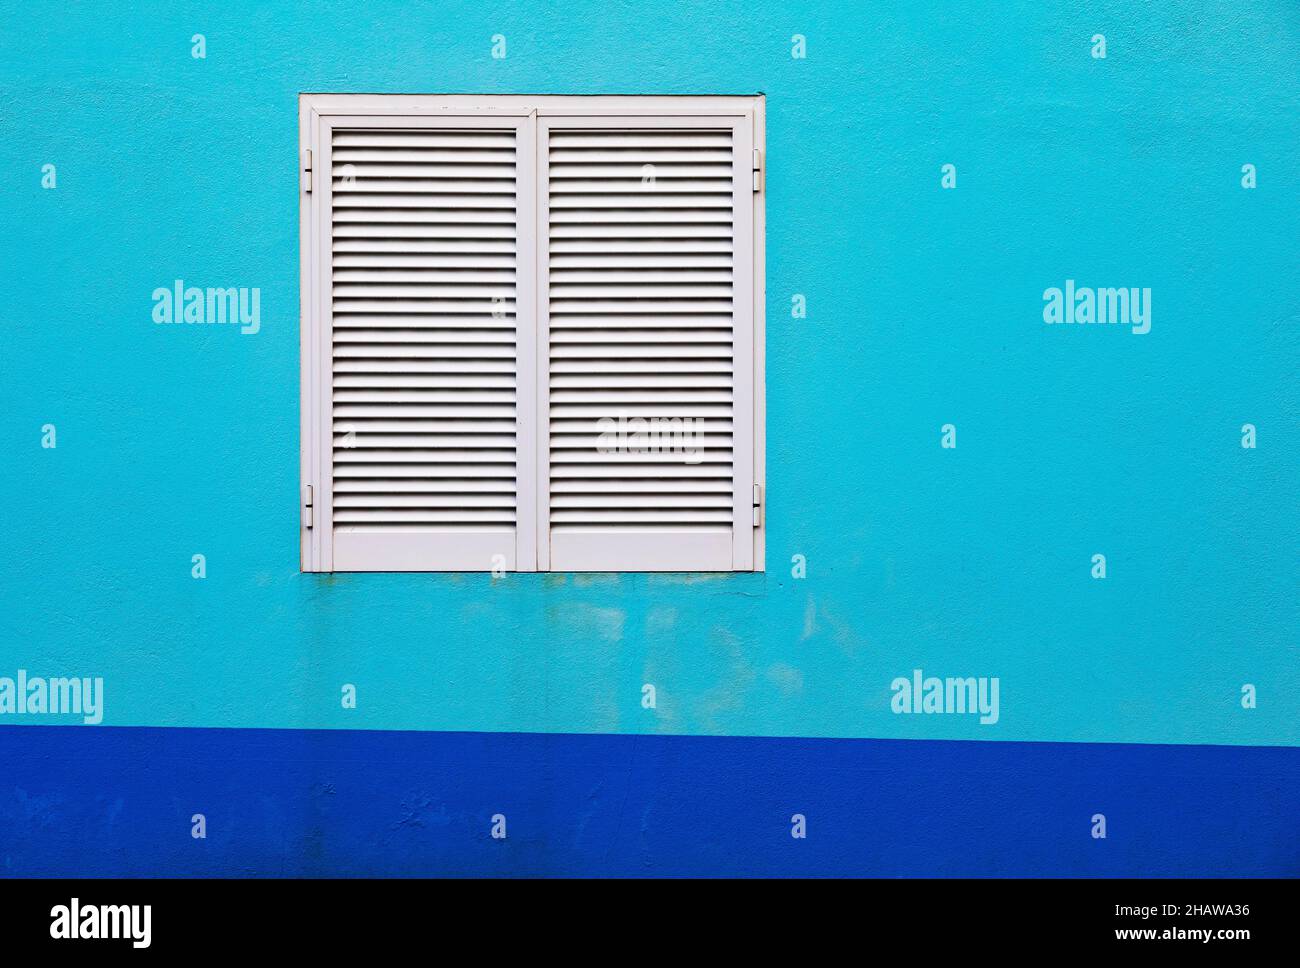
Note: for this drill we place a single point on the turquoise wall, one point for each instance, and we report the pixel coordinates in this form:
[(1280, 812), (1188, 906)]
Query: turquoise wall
[(924, 308)]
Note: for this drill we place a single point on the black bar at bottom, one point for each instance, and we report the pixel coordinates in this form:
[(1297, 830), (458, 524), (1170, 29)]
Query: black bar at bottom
[(334, 917)]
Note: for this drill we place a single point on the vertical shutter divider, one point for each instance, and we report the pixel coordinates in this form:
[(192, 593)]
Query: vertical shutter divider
[(527, 414), (542, 309)]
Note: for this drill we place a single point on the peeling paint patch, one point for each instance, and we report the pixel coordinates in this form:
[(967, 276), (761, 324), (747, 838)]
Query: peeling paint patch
[(786, 678), (593, 579), (660, 620), (728, 696), (419, 810), (814, 616), (607, 623), (691, 578), (842, 632)]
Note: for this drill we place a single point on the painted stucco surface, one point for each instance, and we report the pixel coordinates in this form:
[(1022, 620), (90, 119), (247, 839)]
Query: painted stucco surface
[(373, 802), (924, 308)]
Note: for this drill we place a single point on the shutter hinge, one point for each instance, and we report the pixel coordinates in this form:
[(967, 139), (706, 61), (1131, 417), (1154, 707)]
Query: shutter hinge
[(306, 171), (758, 505), (308, 493), (758, 170)]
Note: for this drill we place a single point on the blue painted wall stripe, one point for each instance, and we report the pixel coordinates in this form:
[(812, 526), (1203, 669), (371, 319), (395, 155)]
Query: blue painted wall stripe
[(118, 801)]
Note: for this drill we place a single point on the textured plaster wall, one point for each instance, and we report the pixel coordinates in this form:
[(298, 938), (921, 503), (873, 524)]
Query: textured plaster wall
[(924, 308)]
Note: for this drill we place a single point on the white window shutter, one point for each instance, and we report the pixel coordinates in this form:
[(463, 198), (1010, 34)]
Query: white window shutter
[(646, 345), (423, 310)]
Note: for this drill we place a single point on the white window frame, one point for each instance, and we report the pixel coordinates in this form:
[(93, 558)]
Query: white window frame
[(319, 113)]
